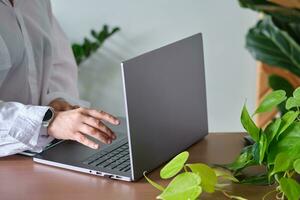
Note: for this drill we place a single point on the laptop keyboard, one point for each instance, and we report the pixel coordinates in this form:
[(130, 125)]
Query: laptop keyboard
[(116, 158)]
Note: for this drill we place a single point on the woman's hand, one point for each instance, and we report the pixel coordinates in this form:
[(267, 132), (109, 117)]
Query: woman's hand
[(77, 123), (61, 105)]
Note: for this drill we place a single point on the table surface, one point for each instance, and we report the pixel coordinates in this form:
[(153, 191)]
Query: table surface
[(21, 178)]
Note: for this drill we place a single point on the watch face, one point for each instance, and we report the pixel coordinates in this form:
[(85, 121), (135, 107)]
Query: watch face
[(48, 115)]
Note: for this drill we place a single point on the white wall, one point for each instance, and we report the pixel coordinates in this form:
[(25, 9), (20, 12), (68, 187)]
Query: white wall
[(146, 25)]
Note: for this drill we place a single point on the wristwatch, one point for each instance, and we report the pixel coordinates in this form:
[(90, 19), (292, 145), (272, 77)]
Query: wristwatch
[(49, 116)]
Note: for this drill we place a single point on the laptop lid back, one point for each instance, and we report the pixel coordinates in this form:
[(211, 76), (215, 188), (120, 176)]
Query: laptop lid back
[(165, 101)]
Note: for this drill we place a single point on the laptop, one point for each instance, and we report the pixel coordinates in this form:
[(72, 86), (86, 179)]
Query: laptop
[(165, 113)]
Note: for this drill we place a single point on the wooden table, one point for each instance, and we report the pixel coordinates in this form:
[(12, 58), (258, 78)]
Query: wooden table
[(21, 178)]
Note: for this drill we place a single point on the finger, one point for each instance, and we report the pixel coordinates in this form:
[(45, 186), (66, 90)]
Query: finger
[(95, 133), (79, 137), (101, 115), (95, 123)]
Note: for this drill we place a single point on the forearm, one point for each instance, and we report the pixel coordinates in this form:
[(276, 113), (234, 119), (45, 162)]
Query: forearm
[(21, 128)]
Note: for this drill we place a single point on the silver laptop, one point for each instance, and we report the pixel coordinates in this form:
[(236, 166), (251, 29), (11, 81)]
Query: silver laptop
[(166, 112)]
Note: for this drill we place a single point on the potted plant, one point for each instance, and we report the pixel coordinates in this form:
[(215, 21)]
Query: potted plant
[(275, 42), (276, 148)]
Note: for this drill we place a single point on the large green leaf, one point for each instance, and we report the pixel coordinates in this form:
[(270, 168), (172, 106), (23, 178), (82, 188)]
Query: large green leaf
[(207, 174), (290, 188), (244, 160), (274, 46), (174, 166), (286, 121), (296, 165), (249, 125), (263, 145), (282, 13), (283, 162), (272, 130), (280, 83), (294, 101), (183, 186), (271, 101), (288, 142)]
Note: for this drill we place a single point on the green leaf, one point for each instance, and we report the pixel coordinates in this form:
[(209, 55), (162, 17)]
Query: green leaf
[(288, 142), (280, 83), (225, 175), (282, 13), (272, 130), (207, 174), (292, 102), (244, 160), (183, 186), (290, 188), (255, 180), (154, 184), (296, 93), (249, 125), (263, 142), (283, 162), (297, 165), (174, 166), (274, 46), (286, 121), (271, 101)]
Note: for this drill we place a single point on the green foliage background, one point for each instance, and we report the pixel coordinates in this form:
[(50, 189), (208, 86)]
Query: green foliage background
[(275, 39)]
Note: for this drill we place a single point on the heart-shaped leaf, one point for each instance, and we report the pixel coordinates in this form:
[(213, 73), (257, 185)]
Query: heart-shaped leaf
[(174, 166), (290, 188), (207, 174), (183, 186), (283, 162), (271, 101), (297, 166), (292, 102), (286, 120)]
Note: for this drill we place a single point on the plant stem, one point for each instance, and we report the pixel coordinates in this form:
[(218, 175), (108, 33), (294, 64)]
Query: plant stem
[(265, 196)]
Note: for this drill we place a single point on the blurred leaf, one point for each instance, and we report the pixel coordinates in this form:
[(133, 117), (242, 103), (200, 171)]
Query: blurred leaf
[(286, 120), (282, 13), (292, 102), (85, 50), (283, 162), (249, 125), (271, 101), (271, 45), (207, 175), (255, 180), (225, 175), (263, 143), (296, 165), (183, 186), (290, 188), (272, 130), (280, 83), (174, 166), (288, 142), (244, 160)]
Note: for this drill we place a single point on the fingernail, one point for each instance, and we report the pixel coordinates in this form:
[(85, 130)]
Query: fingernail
[(114, 137), (96, 146), (117, 122), (109, 141)]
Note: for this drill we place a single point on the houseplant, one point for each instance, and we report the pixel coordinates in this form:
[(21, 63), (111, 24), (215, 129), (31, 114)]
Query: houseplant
[(276, 148), (83, 51), (275, 42)]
